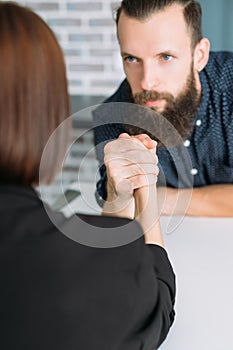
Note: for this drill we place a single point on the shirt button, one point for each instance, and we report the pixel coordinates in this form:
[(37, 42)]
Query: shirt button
[(194, 171), (186, 143), (198, 122)]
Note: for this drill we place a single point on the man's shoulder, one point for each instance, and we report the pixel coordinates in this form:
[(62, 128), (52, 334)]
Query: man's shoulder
[(219, 70), (221, 56), (122, 94)]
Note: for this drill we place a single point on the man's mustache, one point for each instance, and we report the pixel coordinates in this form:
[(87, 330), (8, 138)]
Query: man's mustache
[(142, 97)]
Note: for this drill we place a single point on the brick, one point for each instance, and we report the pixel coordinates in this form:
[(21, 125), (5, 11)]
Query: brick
[(104, 83), (43, 6), (86, 67), (72, 52), (85, 37), (64, 22), (101, 22), (84, 6), (101, 52), (75, 82)]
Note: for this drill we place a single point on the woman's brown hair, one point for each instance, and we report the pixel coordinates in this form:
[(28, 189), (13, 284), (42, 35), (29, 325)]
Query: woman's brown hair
[(33, 96)]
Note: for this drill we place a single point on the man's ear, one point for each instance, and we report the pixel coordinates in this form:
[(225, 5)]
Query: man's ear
[(201, 54)]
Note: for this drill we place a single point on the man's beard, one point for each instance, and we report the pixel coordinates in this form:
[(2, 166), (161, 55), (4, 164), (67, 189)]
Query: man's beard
[(175, 123)]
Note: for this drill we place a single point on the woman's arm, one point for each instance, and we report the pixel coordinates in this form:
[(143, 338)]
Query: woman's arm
[(146, 212)]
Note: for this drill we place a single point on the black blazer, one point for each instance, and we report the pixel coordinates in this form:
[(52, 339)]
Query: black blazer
[(57, 294)]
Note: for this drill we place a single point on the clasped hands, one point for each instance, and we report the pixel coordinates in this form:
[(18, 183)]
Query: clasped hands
[(132, 170), (131, 164)]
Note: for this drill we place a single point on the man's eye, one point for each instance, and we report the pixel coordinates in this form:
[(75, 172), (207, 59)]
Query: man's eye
[(166, 57), (130, 59)]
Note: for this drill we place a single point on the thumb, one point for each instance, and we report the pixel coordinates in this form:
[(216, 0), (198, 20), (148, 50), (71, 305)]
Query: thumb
[(124, 135)]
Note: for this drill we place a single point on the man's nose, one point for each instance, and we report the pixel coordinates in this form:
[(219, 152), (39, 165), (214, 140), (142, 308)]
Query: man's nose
[(150, 79)]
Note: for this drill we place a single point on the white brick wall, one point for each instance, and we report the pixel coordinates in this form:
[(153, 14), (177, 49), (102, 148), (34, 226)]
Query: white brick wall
[(86, 32)]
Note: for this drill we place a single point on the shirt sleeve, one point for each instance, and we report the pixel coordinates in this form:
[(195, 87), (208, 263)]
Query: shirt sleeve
[(103, 133), (108, 125)]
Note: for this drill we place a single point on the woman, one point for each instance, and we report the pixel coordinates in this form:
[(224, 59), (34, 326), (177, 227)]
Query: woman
[(57, 293)]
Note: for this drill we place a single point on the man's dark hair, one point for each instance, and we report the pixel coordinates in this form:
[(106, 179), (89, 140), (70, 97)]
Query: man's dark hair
[(142, 9)]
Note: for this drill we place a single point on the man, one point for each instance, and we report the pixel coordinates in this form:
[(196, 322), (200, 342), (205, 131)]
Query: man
[(169, 69)]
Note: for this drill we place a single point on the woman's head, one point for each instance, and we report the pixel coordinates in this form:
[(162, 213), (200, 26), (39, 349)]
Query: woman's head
[(33, 96)]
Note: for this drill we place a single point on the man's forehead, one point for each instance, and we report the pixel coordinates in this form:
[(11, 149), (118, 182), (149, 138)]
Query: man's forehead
[(172, 14), (162, 31)]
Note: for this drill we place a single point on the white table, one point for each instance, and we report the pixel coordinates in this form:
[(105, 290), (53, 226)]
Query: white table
[(201, 251)]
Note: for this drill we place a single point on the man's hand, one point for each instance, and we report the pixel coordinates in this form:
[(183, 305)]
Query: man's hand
[(131, 163)]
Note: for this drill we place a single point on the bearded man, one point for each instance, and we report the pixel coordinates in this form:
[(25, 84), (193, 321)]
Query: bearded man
[(186, 93)]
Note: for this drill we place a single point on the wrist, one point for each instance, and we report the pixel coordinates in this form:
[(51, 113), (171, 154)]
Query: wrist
[(116, 205)]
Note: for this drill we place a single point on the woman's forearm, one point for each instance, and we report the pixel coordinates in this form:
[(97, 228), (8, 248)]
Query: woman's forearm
[(146, 212)]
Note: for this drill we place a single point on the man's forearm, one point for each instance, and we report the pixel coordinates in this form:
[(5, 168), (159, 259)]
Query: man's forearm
[(211, 201)]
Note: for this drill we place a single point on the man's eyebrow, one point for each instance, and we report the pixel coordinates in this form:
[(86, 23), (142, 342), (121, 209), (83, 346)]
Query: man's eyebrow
[(161, 53), (166, 52), (127, 54)]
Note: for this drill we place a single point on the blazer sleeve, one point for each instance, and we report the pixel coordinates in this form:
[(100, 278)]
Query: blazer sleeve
[(165, 278), (137, 281)]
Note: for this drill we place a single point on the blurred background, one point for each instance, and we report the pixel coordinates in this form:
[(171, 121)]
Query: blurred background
[(86, 32)]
